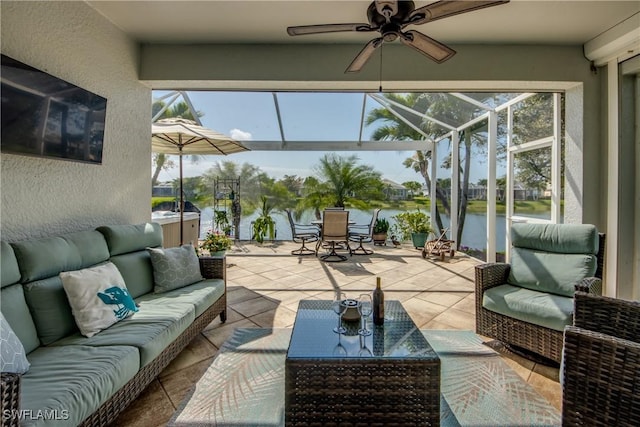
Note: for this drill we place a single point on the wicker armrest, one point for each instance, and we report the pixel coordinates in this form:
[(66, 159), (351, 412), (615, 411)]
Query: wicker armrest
[(590, 285), (10, 391), (213, 267), (601, 379), (611, 316), (490, 275)]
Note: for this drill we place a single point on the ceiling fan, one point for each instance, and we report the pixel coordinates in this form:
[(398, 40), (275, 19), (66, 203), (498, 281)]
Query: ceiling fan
[(390, 17)]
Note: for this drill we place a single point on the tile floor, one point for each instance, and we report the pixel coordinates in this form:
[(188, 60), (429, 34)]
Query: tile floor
[(265, 283)]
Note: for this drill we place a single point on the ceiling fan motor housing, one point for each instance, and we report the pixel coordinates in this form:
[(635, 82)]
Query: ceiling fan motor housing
[(398, 11)]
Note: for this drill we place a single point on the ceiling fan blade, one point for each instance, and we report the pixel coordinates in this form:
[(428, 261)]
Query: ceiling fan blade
[(364, 55), (327, 28), (446, 8), (427, 46)]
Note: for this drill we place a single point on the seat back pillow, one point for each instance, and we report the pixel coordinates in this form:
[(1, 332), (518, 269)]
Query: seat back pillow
[(174, 267), (13, 357), (98, 297)]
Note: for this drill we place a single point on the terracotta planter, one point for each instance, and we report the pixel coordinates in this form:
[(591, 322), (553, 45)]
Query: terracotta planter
[(379, 238)]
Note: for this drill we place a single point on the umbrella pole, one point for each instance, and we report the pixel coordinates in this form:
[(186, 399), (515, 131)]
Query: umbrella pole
[(181, 202)]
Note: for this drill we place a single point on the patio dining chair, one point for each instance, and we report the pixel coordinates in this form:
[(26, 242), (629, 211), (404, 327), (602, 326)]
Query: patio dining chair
[(303, 233), (334, 233), (363, 233)]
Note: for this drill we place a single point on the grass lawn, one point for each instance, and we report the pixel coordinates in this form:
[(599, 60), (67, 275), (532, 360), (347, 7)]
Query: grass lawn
[(474, 206)]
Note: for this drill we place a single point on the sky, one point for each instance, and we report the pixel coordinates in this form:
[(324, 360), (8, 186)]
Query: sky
[(305, 117)]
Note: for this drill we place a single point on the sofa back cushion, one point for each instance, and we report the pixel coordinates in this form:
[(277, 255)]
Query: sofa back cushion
[(552, 257), (123, 239), (127, 245), (9, 271), (43, 258), (137, 272), (12, 302), (40, 263), (15, 310)]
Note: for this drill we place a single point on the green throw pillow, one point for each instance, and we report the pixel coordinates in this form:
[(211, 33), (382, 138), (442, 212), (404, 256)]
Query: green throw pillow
[(174, 267), (98, 297)]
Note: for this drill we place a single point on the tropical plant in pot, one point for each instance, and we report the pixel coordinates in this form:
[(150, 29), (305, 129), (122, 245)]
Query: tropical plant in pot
[(216, 243), (222, 221), (414, 225), (264, 225), (380, 229)]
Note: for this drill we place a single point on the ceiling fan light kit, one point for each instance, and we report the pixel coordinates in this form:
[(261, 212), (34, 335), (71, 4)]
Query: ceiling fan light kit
[(390, 17)]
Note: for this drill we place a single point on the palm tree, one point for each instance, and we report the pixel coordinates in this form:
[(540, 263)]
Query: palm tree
[(342, 181), (446, 109)]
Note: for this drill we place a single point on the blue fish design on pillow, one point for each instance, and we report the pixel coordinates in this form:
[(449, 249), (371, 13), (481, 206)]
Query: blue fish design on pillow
[(121, 298)]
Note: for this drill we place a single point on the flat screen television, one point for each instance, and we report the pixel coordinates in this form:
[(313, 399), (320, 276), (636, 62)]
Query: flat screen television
[(43, 115)]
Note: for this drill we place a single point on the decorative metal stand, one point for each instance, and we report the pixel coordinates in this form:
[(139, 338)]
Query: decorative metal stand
[(227, 199)]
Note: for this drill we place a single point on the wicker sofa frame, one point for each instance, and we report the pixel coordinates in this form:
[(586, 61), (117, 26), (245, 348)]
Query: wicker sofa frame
[(601, 374), (538, 339), (211, 268)]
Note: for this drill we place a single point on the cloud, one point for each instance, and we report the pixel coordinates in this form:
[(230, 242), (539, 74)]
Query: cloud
[(240, 135)]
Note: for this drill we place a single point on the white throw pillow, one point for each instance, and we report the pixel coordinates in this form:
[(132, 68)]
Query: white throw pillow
[(98, 297), (14, 359)]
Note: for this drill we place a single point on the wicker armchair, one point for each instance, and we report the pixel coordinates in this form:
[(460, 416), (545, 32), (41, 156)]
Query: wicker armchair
[(544, 341), (601, 374)]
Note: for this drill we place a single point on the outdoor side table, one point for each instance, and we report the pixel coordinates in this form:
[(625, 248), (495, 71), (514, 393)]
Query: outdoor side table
[(391, 377)]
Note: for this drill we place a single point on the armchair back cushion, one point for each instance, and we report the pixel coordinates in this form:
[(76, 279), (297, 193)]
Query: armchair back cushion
[(552, 258)]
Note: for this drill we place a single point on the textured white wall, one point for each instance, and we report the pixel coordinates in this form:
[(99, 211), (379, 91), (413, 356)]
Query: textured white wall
[(43, 196)]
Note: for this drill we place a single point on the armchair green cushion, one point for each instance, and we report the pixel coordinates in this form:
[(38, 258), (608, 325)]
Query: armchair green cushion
[(540, 308), (552, 257)]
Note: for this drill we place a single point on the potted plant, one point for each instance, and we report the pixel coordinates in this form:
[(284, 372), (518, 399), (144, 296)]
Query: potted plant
[(264, 225), (216, 243), (221, 221), (380, 229), (414, 225)]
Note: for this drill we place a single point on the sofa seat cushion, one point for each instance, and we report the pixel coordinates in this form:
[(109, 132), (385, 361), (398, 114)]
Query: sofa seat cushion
[(151, 329), (74, 380), (540, 308), (202, 295)]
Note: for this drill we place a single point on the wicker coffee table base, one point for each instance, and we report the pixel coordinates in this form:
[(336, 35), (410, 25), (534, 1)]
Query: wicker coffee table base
[(392, 392)]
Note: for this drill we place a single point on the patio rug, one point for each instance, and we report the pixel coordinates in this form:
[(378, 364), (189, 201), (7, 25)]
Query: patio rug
[(244, 386)]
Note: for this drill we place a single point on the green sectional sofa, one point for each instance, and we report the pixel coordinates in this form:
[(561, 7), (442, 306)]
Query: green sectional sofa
[(74, 380)]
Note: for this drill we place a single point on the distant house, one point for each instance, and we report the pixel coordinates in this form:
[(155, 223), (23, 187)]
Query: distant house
[(394, 191), (477, 192), (163, 190), (520, 192)]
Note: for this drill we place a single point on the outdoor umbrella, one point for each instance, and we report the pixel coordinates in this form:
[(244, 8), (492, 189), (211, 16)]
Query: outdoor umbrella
[(179, 136)]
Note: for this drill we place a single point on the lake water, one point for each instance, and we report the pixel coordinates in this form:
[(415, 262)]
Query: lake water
[(474, 234)]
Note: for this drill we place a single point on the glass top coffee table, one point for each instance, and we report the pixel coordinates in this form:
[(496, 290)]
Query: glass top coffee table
[(391, 377)]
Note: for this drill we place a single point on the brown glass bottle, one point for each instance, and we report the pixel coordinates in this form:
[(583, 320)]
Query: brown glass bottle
[(378, 304)]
